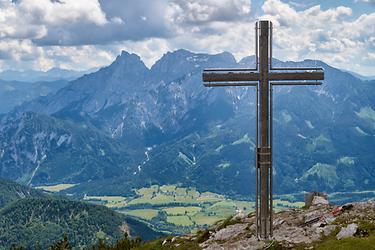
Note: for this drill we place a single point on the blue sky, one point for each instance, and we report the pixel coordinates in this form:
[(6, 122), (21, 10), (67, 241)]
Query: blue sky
[(82, 34)]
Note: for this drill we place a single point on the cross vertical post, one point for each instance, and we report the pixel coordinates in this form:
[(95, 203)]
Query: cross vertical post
[(264, 154), (263, 77)]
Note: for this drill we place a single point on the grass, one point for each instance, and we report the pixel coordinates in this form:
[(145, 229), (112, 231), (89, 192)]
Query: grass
[(186, 208), (109, 201), (56, 188), (204, 219), (357, 242), (140, 200), (222, 209), (367, 243), (182, 210), (193, 193), (181, 245), (147, 191), (284, 203), (245, 205), (168, 188), (208, 199), (146, 214), (106, 198), (181, 191), (185, 200), (180, 220)]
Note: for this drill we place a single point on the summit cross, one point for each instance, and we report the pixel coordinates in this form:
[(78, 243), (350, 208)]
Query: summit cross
[(263, 77)]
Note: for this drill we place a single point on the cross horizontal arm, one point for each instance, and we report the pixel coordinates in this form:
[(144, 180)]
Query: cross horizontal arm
[(228, 70), (296, 76), (238, 84), (295, 83), (299, 68), (230, 76)]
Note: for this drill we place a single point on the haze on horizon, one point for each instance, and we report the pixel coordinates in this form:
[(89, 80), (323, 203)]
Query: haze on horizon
[(70, 34)]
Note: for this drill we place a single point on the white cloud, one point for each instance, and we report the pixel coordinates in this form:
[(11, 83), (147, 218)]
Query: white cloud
[(32, 19), (329, 35), (203, 11), (90, 33), (19, 50), (206, 16)]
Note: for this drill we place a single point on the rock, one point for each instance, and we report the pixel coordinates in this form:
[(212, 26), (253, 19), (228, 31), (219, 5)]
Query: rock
[(251, 243), (240, 216), (278, 222), (310, 196), (319, 200), (229, 232), (292, 234), (326, 230), (348, 231), (294, 227), (329, 219), (313, 217)]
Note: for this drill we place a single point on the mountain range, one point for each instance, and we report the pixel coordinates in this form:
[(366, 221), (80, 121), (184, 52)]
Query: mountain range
[(127, 126), (53, 74), (14, 93)]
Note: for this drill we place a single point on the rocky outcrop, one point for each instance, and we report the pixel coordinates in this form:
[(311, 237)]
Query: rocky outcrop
[(294, 228), (348, 231)]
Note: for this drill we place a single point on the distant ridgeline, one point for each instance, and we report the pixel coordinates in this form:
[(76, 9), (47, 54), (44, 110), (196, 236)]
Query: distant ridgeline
[(126, 126), (31, 219)]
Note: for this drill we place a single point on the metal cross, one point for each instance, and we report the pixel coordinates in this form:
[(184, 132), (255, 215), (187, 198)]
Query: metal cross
[(263, 77)]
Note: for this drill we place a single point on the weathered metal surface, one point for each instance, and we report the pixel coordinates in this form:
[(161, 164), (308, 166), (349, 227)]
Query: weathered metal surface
[(244, 84), (299, 68), (300, 76), (295, 83), (264, 127), (230, 77)]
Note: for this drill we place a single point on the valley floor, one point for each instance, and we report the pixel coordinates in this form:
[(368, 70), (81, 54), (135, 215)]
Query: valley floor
[(293, 229)]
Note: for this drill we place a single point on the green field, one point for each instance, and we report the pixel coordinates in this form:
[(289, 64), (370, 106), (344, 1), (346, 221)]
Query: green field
[(182, 210), (177, 209), (146, 214), (180, 220), (108, 201), (202, 219), (55, 188)]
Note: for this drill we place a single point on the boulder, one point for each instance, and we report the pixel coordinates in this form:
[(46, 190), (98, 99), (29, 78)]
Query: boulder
[(326, 230), (348, 231), (319, 200), (310, 196), (240, 216)]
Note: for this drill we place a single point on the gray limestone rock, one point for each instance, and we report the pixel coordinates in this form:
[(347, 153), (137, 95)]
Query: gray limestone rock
[(348, 231), (318, 200)]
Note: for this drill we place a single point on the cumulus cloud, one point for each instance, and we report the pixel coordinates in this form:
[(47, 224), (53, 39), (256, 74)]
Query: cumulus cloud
[(90, 33), (206, 16), (330, 35), (83, 22), (204, 11), (33, 19)]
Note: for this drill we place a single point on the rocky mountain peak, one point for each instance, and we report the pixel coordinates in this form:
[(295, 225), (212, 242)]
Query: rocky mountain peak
[(181, 62), (128, 63)]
